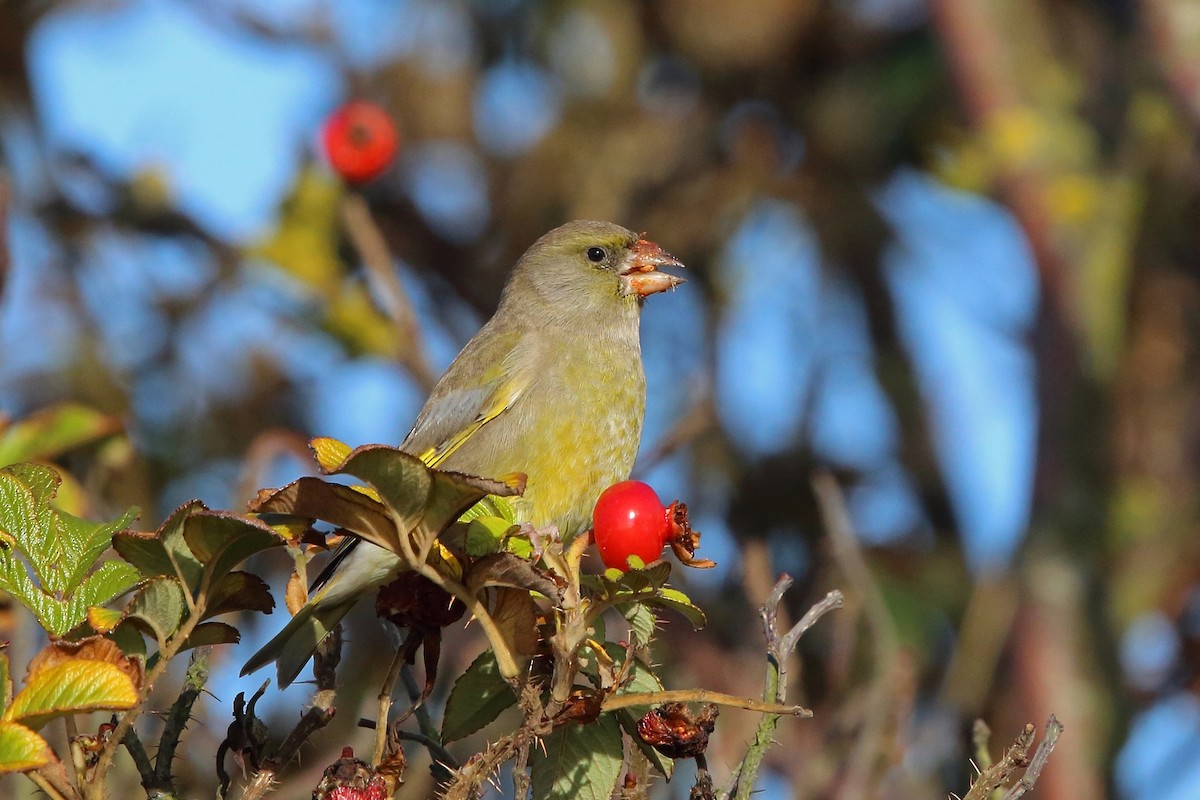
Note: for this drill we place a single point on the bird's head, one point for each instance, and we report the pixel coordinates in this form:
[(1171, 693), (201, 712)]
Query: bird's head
[(594, 265)]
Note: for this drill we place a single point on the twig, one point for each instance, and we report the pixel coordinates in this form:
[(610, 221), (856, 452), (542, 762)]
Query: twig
[(1054, 729), (849, 556), (318, 715), (367, 239), (614, 701), (385, 700), (775, 685), (521, 772)]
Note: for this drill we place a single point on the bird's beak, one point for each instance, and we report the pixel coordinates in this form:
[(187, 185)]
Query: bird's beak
[(640, 275)]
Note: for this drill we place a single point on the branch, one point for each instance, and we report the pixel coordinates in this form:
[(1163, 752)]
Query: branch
[(615, 701), (1017, 758), (162, 781)]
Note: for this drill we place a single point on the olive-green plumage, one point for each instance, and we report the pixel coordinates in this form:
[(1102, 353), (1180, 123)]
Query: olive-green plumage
[(552, 386)]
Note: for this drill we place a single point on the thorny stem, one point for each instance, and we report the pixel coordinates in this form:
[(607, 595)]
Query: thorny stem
[(94, 789), (177, 719), (615, 701), (318, 715), (467, 780), (1054, 729)]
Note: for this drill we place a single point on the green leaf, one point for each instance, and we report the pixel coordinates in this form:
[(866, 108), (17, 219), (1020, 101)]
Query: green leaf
[(86, 542), (478, 697), (221, 540), (578, 762), (59, 550), (423, 500), (211, 633), (21, 749), (238, 591), (679, 602), (485, 534), (343, 506), (71, 687), (158, 608), (52, 431), (163, 552)]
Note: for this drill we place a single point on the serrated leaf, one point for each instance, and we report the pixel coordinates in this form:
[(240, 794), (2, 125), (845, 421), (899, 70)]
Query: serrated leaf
[(422, 500), (578, 762), (52, 431), (642, 578), (72, 687), (642, 622), (85, 542), (238, 591), (221, 540), (59, 548), (163, 552), (478, 697), (158, 608), (505, 569), (211, 633), (92, 648), (515, 614), (22, 750), (680, 603)]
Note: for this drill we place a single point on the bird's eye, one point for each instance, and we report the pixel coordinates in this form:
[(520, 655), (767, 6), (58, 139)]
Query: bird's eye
[(596, 254)]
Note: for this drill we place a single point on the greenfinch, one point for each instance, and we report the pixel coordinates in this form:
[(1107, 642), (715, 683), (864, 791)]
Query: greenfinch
[(552, 386)]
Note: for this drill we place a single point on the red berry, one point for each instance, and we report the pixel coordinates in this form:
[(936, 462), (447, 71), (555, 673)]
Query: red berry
[(629, 520), (360, 140)]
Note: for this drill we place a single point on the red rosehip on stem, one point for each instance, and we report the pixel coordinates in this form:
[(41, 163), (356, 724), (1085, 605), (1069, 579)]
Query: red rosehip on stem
[(629, 520), (360, 140)]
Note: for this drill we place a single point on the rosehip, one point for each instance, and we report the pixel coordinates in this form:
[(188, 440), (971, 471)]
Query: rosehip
[(360, 140), (629, 520)]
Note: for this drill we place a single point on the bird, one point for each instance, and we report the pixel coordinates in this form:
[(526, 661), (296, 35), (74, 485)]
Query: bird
[(551, 386)]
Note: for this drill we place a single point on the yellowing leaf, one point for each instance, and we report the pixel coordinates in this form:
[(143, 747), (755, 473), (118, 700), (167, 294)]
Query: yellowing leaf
[(72, 687), (102, 619), (21, 749), (330, 453)]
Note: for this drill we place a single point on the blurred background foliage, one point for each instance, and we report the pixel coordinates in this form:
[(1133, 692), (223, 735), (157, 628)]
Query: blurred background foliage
[(946, 249)]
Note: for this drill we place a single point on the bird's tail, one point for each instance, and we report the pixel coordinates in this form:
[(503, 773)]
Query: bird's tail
[(293, 646)]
